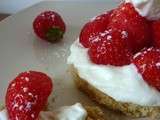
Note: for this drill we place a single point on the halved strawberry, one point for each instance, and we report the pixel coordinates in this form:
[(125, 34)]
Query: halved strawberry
[(27, 95), (126, 18), (148, 64), (110, 48), (93, 28), (49, 26), (156, 33)]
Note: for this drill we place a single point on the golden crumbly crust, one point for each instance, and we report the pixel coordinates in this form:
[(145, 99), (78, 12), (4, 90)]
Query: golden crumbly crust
[(128, 109), (94, 113)]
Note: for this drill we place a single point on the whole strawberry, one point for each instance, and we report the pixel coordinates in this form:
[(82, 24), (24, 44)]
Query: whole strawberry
[(49, 26), (93, 28), (148, 64), (27, 95), (126, 18), (110, 48)]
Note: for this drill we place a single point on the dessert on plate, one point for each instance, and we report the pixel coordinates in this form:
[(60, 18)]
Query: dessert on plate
[(27, 96), (116, 59)]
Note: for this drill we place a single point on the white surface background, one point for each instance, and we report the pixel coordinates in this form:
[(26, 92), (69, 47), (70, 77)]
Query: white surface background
[(13, 6)]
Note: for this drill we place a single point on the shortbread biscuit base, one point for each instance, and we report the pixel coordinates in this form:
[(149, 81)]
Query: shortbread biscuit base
[(129, 109), (94, 113)]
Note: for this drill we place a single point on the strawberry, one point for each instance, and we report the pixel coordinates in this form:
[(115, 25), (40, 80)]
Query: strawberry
[(156, 33), (27, 95), (110, 48), (148, 64), (126, 18), (49, 26), (93, 28)]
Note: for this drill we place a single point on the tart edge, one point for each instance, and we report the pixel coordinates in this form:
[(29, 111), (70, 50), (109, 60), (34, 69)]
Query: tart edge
[(129, 109)]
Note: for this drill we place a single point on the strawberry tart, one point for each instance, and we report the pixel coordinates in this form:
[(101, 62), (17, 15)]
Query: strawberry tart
[(116, 59), (27, 97)]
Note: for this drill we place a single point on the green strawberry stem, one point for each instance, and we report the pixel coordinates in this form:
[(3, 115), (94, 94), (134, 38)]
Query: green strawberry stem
[(54, 34)]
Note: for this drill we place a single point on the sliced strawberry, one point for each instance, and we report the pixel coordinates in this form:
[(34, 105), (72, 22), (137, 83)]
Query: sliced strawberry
[(27, 95), (148, 64), (93, 28), (126, 18), (49, 26), (156, 33), (110, 48)]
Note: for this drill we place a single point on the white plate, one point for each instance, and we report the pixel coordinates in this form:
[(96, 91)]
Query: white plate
[(20, 50)]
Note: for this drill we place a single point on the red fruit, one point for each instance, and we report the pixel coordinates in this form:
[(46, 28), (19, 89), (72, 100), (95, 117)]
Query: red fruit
[(126, 18), (156, 33), (148, 64), (111, 49), (93, 28), (49, 26), (27, 95)]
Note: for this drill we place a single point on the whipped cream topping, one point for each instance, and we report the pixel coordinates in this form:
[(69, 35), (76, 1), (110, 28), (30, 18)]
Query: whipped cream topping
[(74, 112), (124, 84), (147, 8)]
